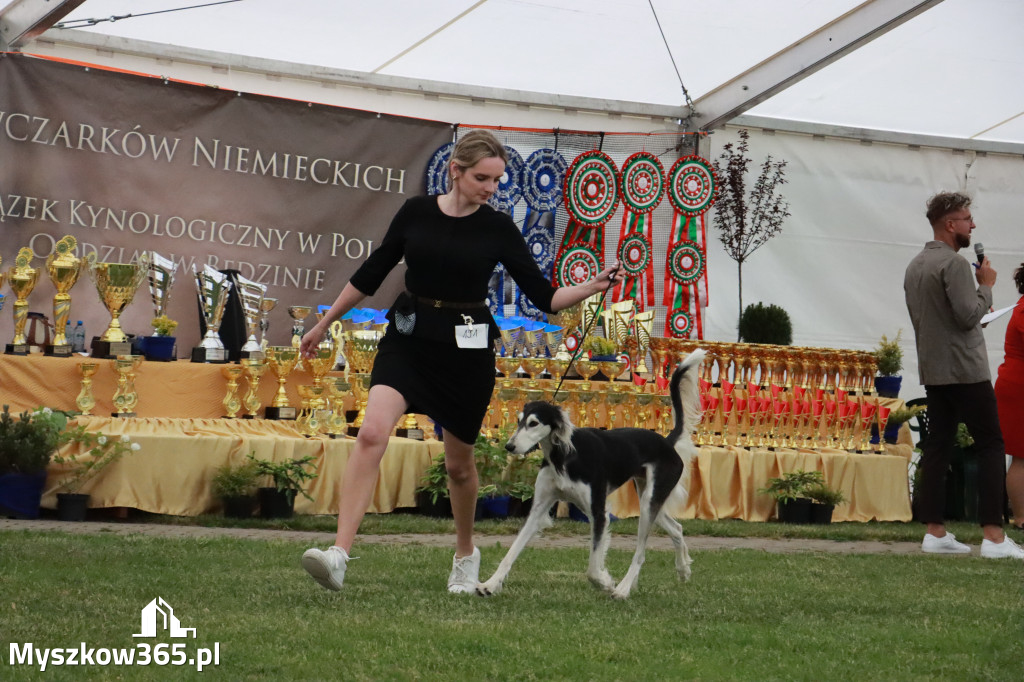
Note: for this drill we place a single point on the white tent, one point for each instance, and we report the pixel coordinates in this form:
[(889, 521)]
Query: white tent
[(919, 96)]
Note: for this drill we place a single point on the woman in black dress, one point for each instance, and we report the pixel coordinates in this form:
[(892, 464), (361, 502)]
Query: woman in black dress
[(451, 244)]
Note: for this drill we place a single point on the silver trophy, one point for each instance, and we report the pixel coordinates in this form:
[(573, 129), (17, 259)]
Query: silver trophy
[(251, 294), (161, 277), (213, 288)]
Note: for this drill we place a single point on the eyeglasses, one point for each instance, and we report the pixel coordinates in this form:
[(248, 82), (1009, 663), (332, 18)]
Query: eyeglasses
[(968, 219)]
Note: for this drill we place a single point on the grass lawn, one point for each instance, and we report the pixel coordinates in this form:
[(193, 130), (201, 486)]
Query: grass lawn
[(745, 615)]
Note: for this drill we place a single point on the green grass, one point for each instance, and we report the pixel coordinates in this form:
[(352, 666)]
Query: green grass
[(745, 615)]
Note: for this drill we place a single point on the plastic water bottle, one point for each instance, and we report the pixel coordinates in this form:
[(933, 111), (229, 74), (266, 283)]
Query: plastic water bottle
[(67, 333), (78, 338)]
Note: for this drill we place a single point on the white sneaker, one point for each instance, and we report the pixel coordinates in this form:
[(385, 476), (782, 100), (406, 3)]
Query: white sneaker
[(947, 544), (465, 573), (327, 568), (1007, 549)]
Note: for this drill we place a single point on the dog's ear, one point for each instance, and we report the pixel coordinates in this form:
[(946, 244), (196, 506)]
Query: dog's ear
[(561, 430)]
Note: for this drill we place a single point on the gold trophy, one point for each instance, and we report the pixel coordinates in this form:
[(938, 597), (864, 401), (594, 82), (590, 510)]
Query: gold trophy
[(337, 387), (281, 360), (569, 320), (251, 295), (116, 284), (643, 325), (22, 279), (85, 400), (265, 308), (360, 351), (232, 404), (125, 398), (64, 268), (298, 313), (254, 368), (213, 288)]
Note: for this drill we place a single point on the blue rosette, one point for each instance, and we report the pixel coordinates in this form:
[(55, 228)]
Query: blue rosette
[(437, 169), (543, 178), (510, 187)]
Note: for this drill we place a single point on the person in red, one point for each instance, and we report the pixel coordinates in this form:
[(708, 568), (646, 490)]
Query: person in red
[(1010, 401)]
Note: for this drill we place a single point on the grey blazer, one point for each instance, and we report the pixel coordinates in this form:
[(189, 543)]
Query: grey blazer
[(946, 308)]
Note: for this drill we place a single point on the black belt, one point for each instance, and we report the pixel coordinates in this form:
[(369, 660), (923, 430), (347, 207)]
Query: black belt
[(437, 303)]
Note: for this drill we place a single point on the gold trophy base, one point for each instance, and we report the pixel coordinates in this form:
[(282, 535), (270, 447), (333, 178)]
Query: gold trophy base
[(280, 412), (16, 349), (211, 355), (109, 350), (411, 434), (58, 351)]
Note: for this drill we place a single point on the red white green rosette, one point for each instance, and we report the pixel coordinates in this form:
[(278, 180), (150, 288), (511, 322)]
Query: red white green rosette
[(635, 254), (577, 264), (680, 323), (692, 185), (686, 262), (573, 341), (592, 188), (643, 182)]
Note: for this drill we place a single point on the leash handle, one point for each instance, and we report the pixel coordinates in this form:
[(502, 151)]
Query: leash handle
[(611, 283)]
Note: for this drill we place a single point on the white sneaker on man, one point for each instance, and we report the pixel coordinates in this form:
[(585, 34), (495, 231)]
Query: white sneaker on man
[(1007, 549), (327, 568), (947, 544), (465, 573)]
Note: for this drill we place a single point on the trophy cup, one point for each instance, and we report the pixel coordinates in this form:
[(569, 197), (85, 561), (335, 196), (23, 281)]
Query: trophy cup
[(254, 369), (85, 400), (643, 324), (298, 313), (337, 387), (569, 320), (281, 360), (125, 398), (64, 268), (213, 288), (161, 277), (265, 308), (232, 403), (22, 279), (116, 284), (251, 294), (360, 351)]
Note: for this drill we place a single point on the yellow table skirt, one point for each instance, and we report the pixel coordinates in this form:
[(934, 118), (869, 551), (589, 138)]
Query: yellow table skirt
[(171, 473)]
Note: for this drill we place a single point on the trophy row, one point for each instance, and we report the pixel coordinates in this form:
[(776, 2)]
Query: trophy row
[(117, 284)]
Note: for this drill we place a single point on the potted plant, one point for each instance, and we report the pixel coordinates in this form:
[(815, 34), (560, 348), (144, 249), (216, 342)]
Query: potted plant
[(492, 461), (889, 359), (432, 495), (26, 446), (600, 348), (522, 475), (824, 500), (160, 346), (235, 486), (288, 478), (94, 451), (896, 419), (766, 324), (789, 491)]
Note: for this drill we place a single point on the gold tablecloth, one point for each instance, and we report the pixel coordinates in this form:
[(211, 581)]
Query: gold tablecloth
[(172, 470)]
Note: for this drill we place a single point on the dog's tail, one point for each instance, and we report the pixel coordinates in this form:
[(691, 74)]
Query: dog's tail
[(685, 392)]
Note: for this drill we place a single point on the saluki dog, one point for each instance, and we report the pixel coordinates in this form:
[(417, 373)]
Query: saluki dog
[(584, 466)]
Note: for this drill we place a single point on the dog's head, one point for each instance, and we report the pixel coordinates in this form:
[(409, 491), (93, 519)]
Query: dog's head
[(539, 422)]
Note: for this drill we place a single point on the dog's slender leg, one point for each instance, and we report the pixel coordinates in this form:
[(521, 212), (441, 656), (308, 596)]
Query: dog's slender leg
[(675, 531), (597, 572), (649, 510), (544, 496)]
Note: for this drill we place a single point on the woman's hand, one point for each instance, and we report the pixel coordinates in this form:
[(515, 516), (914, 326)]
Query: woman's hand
[(610, 276), (310, 341)]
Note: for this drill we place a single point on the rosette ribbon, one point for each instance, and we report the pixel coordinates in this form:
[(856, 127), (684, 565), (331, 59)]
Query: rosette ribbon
[(642, 181), (591, 197)]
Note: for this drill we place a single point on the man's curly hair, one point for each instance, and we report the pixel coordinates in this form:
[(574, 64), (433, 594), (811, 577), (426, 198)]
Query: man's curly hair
[(944, 203)]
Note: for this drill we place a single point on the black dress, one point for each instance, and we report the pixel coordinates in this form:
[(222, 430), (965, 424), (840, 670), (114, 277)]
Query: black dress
[(448, 259)]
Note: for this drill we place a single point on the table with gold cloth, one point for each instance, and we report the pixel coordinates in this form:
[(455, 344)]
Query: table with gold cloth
[(183, 441)]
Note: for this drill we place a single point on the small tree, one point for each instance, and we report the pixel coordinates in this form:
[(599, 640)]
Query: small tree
[(745, 223)]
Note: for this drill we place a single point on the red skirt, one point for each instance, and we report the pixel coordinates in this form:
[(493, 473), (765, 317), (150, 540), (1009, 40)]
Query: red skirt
[(1010, 401)]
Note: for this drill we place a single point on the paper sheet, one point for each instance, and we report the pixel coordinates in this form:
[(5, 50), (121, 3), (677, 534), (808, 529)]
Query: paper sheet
[(997, 314)]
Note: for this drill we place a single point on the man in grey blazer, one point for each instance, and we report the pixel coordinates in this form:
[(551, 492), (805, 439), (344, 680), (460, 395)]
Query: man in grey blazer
[(946, 310)]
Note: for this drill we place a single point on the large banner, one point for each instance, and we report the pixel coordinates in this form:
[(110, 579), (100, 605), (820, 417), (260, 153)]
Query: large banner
[(291, 194)]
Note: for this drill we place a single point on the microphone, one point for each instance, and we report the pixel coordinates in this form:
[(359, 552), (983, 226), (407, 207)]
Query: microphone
[(979, 250)]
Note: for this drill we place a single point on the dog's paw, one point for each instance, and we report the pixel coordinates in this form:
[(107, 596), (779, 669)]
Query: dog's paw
[(683, 570), (602, 581), (489, 588), (620, 593)]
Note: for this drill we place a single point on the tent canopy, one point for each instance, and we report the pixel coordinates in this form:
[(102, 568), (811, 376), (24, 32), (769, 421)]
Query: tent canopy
[(946, 71)]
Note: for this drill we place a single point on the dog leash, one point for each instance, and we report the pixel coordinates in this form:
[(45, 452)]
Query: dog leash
[(611, 283)]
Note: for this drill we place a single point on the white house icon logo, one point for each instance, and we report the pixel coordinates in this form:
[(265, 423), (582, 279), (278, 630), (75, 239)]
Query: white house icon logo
[(158, 611)]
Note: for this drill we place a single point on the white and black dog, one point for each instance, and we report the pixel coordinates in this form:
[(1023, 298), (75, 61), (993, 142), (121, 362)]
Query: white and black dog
[(584, 466)]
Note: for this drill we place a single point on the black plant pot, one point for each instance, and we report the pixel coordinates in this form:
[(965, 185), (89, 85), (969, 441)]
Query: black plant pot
[(275, 504), (20, 494), (795, 511), (821, 514), (239, 507), (72, 506), (889, 386), (495, 507), (442, 509)]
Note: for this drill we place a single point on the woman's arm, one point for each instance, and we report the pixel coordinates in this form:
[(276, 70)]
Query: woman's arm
[(567, 296), (347, 299)]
